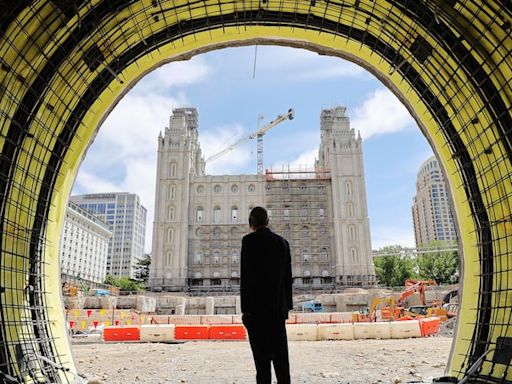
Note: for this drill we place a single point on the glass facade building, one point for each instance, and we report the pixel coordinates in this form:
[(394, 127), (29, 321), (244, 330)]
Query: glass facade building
[(126, 218)]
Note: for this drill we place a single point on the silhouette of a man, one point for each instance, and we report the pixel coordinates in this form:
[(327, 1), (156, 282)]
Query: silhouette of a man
[(266, 297)]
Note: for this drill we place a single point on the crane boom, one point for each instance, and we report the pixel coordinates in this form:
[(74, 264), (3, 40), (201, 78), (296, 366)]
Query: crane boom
[(272, 124), (228, 149), (257, 134)]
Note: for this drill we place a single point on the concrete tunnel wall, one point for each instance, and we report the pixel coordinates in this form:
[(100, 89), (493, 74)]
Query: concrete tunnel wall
[(65, 64)]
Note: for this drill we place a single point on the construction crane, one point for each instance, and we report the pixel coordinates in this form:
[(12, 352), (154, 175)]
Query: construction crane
[(259, 136)]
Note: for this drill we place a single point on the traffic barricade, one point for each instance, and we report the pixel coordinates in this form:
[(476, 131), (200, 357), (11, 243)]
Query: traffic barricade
[(377, 330), (227, 332), (157, 332), (405, 329), (192, 332), (430, 325), (335, 331), (122, 333), (301, 332)]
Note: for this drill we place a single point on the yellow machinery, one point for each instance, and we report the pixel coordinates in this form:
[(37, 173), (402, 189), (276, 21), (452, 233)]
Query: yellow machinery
[(65, 64)]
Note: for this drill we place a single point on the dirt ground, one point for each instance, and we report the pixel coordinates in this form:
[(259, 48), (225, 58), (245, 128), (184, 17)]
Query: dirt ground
[(210, 362)]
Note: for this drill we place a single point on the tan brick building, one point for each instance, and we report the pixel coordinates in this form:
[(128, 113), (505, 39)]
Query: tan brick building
[(200, 219)]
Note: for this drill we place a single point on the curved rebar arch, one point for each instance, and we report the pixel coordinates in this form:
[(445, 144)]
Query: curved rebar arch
[(65, 63)]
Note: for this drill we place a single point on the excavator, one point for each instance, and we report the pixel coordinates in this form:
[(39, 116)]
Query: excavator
[(433, 309), (395, 309)]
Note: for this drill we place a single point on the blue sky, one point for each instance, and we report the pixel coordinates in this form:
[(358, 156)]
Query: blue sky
[(221, 86)]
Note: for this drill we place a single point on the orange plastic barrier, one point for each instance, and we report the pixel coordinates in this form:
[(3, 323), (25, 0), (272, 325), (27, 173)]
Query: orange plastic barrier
[(191, 332), (121, 334), (227, 332), (429, 326)]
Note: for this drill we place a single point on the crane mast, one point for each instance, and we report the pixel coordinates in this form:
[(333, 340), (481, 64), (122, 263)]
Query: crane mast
[(259, 138)]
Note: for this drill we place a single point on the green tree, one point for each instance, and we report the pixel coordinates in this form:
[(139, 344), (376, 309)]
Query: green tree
[(124, 283), (142, 268), (439, 263), (394, 267)]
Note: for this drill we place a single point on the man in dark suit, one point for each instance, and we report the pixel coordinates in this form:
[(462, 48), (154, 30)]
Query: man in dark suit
[(266, 297)]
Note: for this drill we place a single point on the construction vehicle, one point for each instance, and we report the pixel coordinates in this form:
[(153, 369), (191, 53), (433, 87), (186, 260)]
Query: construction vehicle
[(312, 306), (396, 309), (388, 310), (309, 306), (259, 136), (413, 286), (423, 310)]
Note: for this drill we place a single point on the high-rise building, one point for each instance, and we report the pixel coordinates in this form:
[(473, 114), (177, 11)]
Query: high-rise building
[(126, 218), (84, 245), (431, 210), (200, 219)]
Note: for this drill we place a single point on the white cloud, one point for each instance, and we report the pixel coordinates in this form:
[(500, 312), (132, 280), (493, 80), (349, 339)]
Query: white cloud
[(380, 114), (180, 73), (305, 161), (335, 70), (123, 157), (219, 138), (307, 65), (389, 235), (91, 182)]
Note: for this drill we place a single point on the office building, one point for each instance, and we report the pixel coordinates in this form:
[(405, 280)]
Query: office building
[(431, 210), (126, 217), (83, 246)]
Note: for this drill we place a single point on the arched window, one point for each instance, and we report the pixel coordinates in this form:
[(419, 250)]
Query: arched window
[(172, 192), (198, 257), (168, 258), (234, 257), (199, 214), (348, 188), (170, 235), (172, 169), (324, 254), (353, 255), (306, 255), (350, 209), (171, 213), (234, 214), (352, 232), (305, 230), (216, 215), (216, 257)]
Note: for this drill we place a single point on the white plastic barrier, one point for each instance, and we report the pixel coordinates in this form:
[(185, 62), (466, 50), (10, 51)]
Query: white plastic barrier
[(405, 329), (372, 330), (335, 331), (301, 332), (162, 333)]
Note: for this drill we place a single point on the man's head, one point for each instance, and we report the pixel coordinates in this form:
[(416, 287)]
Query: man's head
[(258, 218)]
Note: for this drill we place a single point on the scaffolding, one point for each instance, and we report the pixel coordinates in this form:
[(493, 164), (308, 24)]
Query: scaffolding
[(300, 209)]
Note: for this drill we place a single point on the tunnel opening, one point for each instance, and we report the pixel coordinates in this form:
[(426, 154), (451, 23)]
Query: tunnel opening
[(64, 67)]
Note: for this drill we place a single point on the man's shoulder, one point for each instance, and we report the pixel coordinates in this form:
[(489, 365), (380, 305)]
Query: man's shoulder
[(279, 237), (249, 236)]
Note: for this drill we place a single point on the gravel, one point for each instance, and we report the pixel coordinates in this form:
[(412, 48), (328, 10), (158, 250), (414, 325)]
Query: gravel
[(228, 362)]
